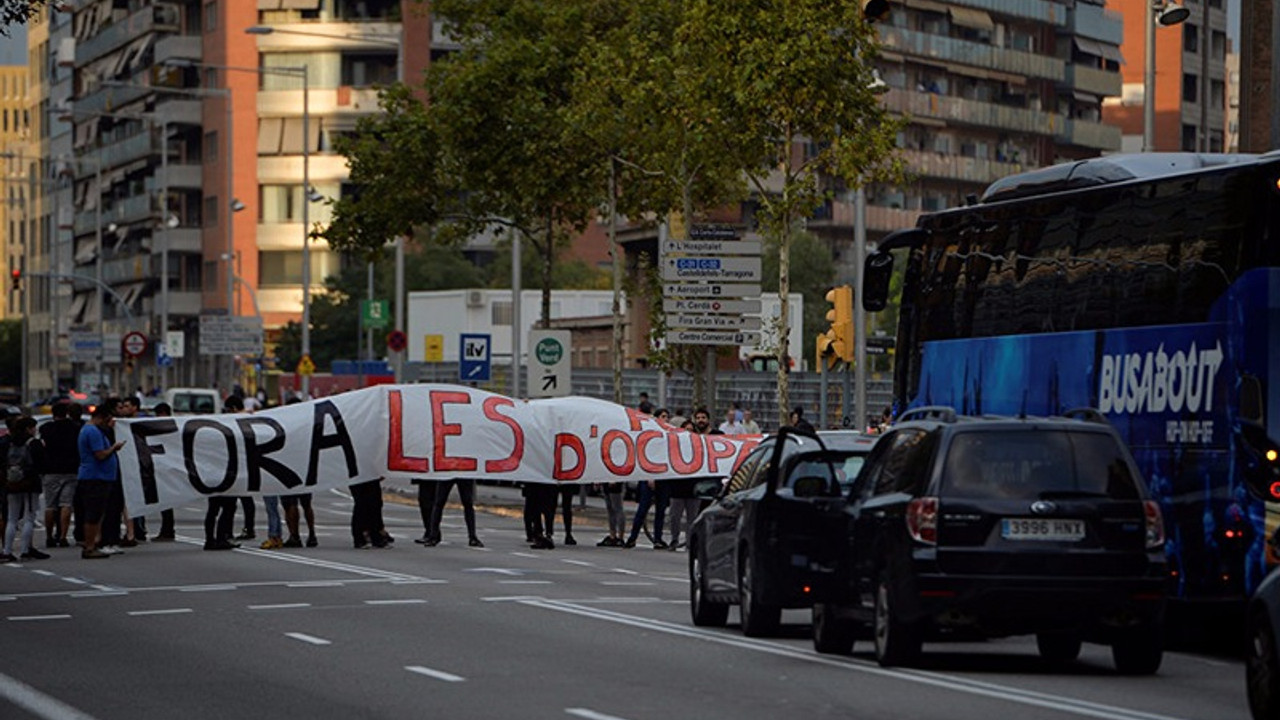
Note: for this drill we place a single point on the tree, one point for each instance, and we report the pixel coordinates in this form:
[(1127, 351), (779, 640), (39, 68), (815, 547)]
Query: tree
[(17, 12), (791, 86), (812, 274)]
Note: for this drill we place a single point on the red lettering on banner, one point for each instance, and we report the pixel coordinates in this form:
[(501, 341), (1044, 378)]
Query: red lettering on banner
[(637, 419), (512, 461), (628, 465), (678, 463), (718, 448), (743, 452), (442, 430), (646, 464), (396, 459), (571, 442)]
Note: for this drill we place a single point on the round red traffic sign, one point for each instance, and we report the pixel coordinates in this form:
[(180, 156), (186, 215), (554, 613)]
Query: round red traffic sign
[(397, 341), (134, 344)]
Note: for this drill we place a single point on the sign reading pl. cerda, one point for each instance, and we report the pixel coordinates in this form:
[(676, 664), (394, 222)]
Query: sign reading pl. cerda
[(549, 363)]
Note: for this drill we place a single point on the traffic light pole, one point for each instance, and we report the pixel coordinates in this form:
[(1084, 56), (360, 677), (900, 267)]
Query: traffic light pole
[(859, 317)]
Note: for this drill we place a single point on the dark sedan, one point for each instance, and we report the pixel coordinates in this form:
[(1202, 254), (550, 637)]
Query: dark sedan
[(756, 545)]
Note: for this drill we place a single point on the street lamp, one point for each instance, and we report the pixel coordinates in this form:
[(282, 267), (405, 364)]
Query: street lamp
[(1166, 13), (399, 241)]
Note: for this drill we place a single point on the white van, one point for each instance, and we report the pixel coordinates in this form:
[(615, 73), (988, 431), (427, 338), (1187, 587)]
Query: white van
[(193, 401)]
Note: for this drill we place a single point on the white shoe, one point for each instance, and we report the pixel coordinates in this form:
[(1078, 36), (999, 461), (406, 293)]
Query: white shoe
[(111, 550)]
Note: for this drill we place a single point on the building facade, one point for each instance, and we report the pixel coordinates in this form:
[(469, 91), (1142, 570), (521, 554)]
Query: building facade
[(1191, 80), (14, 133)]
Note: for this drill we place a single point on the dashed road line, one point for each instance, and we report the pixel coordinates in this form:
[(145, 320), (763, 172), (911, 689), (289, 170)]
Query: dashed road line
[(167, 611), (36, 618), (405, 601), (280, 606), (311, 639), (37, 703), (589, 714), (437, 674)]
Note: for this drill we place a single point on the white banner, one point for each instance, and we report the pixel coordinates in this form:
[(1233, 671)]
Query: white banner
[(408, 431)]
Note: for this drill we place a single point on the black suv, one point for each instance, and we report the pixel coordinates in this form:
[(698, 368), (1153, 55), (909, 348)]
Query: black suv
[(996, 527)]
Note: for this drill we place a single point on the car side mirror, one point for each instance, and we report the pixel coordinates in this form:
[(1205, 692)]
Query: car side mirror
[(708, 489), (877, 273), (810, 486)]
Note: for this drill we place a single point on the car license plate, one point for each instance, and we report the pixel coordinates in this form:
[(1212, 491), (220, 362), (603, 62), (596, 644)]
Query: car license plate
[(1042, 529)]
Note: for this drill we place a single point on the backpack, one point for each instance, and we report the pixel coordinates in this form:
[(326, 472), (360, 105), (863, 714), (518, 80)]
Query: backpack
[(19, 468)]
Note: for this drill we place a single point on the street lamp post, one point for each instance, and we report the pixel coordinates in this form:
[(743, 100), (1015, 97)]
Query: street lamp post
[(398, 357), (1167, 13)]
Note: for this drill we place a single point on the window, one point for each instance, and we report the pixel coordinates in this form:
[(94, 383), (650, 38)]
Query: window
[(906, 463), (1190, 38), (210, 17), (283, 268), (1190, 86), (1189, 138), (500, 312), (1219, 45), (365, 70), (1217, 94), (283, 204), (211, 146), (1025, 465), (741, 478)]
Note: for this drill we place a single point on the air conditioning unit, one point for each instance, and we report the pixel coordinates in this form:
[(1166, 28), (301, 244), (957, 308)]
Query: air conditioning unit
[(475, 298), (67, 52)]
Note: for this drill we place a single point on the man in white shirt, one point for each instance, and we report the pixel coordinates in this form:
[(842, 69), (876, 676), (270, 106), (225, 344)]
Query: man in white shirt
[(731, 425), (749, 425)]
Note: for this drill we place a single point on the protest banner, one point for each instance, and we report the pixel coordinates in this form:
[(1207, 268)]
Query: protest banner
[(408, 431)]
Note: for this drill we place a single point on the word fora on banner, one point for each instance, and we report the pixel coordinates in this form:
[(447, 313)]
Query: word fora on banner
[(412, 431)]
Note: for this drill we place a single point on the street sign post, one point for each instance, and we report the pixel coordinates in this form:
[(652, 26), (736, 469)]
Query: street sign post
[(134, 344), (712, 290), (713, 322), (712, 337), (175, 343), (435, 348), (716, 269), (474, 362), (374, 314), (698, 305), (397, 341), (230, 335), (549, 363)]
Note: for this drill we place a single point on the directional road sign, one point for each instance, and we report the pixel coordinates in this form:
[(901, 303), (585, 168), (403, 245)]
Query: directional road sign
[(712, 322), (678, 305), (230, 335), (549, 364), (725, 269), (712, 337), (474, 365), (725, 290), (714, 247), (374, 313), (175, 343)]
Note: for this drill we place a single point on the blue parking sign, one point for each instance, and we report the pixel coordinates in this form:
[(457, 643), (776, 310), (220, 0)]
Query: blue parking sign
[(473, 361)]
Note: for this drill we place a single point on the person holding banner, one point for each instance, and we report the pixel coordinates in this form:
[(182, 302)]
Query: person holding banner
[(220, 518), (655, 494), (467, 495), (427, 509)]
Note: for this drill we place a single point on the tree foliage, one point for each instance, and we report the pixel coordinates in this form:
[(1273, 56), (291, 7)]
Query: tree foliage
[(17, 12), (812, 274)]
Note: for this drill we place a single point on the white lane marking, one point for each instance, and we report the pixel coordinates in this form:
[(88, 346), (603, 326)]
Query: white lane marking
[(99, 593), (627, 584), (207, 588), (316, 584), (524, 554), (36, 702), (170, 611), (940, 680), (7, 598), (406, 601), (76, 581), (280, 606), (510, 598), (626, 600), (24, 618), (590, 714), (499, 571), (419, 581), (625, 571), (437, 674), (46, 573), (308, 638), (583, 563), (524, 582)]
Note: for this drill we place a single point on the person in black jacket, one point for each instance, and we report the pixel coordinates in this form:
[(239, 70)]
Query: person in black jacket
[(22, 474), (61, 469)]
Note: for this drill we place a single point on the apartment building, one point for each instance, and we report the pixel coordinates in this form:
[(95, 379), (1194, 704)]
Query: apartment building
[(1191, 81), (992, 88), (175, 139), (14, 131)]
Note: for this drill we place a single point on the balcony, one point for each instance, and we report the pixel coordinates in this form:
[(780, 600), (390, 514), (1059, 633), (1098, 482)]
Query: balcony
[(1095, 135), (1093, 80), (124, 152), (179, 47), (1096, 23), (961, 111), (179, 177), (988, 57), (1038, 10), (180, 112), (122, 212), (160, 17), (135, 268), (181, 240), (958, 168)]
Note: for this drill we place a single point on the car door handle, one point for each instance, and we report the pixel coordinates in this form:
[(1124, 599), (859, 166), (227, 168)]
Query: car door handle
[(879, 514)]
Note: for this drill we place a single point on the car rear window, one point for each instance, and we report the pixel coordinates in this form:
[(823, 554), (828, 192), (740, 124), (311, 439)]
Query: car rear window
[(1034, 464)]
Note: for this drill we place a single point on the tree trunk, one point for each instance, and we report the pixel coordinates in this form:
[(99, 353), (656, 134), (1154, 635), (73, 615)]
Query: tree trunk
[(618, 260), (547, 260), (784, 290)]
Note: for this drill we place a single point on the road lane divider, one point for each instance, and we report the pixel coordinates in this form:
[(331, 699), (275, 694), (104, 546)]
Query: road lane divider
[(437, 674), (37, 703), (310, 639)]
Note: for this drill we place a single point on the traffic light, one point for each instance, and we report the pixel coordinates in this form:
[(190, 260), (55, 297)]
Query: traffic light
[(17, 279), (838, 340)]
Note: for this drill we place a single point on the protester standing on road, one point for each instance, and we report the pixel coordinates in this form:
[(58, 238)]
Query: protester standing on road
[(650, 493), (62, 465), (683, 501), (99, 469), (366, 515), (426, 508), (25, 459), (220, 518), (617, 514), (297, 507), (167, 532), (467, 495)]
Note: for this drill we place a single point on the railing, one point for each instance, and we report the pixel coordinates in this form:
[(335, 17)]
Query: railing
[(1039, 10), (1094, 135), (1094, 80), (961, 111), (953, 50)]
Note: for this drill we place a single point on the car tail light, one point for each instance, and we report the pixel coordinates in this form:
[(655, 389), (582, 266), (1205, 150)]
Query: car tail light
[(1155, 524), (922, 520)]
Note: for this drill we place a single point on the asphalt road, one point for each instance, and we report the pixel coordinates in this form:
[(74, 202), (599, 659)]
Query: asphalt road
[(170, 631)]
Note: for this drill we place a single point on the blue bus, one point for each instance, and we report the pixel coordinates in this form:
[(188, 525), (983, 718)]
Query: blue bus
[(1146, 287)]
